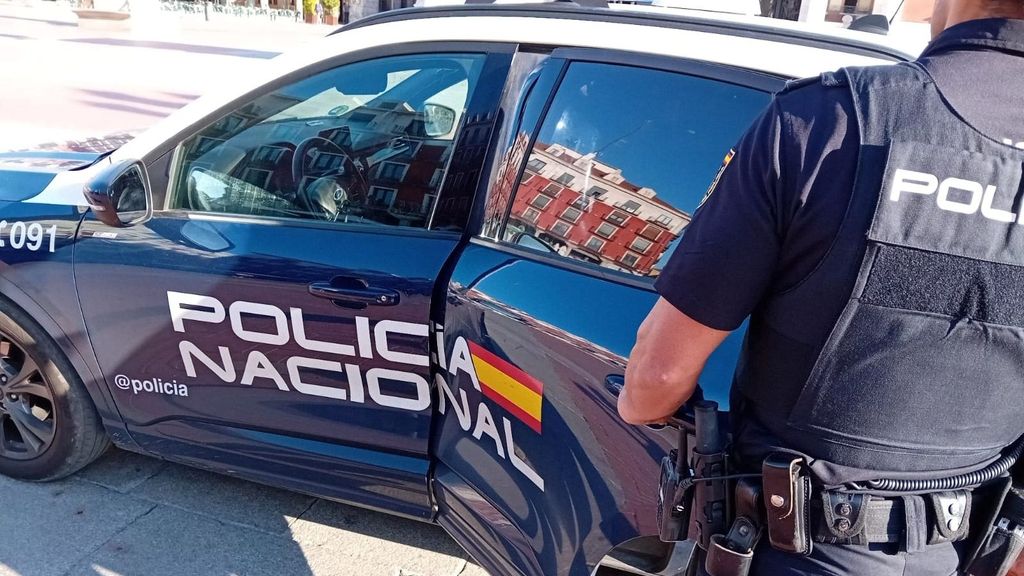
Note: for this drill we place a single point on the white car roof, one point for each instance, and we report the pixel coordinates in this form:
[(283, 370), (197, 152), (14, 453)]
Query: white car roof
[(762, 46), (907, 45)]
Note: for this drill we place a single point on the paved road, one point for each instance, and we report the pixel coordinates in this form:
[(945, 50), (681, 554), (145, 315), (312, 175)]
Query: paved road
[(60, 81), (128, 514)]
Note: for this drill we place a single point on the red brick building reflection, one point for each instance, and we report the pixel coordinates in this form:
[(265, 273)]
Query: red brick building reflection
[(587, 210)]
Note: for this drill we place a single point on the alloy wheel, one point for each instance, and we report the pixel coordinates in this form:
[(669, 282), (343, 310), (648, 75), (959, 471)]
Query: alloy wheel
[(28, 420)]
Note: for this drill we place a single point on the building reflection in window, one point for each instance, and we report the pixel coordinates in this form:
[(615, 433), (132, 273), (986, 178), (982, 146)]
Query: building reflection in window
[(622, 160), (599, 216)]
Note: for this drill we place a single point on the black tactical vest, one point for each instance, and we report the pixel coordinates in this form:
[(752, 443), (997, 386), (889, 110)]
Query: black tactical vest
[(924, 371)]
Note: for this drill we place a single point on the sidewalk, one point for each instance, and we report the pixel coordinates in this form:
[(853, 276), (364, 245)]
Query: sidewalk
[(128, 514)]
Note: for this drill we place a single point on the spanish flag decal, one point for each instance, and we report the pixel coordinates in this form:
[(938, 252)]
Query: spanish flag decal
[(513, 389)]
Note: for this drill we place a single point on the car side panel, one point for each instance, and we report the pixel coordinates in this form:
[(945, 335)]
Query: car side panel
[(381, 481), (483, 530), (41, 283), (570, 332)]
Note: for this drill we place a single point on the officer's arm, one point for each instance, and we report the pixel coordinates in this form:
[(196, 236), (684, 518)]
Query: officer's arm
[(670, 352)]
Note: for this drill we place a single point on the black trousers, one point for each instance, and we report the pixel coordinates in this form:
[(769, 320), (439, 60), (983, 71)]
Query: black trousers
[(874, 560)]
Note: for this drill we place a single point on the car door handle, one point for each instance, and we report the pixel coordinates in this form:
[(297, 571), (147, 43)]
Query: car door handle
[(614, 383), (353, 291)]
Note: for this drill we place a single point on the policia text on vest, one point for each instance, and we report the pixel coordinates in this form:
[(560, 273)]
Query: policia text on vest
[(955, 195)]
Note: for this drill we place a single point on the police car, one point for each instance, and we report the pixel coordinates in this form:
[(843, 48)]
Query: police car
[(401, 268)]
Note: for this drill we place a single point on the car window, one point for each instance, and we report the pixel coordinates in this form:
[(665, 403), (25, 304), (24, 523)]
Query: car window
[(363, 143), (622, 160)]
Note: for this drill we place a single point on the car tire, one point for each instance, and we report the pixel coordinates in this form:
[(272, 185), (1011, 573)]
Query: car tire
[(76, 436)]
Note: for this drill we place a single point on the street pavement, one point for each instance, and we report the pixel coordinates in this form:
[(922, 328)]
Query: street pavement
[(128, 514), (59, 81), (132, 515)]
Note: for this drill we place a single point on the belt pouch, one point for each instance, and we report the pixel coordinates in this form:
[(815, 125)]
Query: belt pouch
[(787, 492), (725, 561), (731, 554), (1002, 544)]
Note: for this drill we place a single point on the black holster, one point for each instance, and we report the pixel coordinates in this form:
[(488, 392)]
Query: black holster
[(996, 550), (731, 554)]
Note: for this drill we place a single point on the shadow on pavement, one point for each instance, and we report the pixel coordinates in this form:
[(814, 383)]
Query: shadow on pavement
[(42, 20), (177, 101), (177, 46), (131, 104)]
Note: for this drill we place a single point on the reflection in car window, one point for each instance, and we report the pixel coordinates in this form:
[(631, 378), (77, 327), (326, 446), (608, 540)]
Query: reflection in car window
[(130, 190), (622, 161), (363, 143)]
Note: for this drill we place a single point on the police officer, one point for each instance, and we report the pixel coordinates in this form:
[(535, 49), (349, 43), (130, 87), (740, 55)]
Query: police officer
[(871, 227)]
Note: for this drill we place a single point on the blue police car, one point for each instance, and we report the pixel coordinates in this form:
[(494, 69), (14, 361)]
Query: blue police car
[(401, 268)]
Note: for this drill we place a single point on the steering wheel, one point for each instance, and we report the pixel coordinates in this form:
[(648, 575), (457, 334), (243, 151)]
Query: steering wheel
[(331, 191)]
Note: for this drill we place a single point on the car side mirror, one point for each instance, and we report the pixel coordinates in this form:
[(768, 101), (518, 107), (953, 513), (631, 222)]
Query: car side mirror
[(120, 196), (438, 120)]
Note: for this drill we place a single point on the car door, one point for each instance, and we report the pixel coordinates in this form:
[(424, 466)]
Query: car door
[(270, 318), (610, 160)]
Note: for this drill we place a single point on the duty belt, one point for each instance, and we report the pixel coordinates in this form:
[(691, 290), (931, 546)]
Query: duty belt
[(796, 514), (843, 518), (697, 498)]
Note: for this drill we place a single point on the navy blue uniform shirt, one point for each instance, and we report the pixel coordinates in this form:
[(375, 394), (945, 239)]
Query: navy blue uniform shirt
[(778, 206)]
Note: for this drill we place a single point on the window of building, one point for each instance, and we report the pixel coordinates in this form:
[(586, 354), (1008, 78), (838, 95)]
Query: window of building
[(672, 148), (236, 165), (640, 244), (560, 228), (536, 164), (526, 177), (631, 206), (392, 171), (616, 218), (571, 214), (595, 244), (381, 197), (629, 259), (531, 215), (553, 189), (540, 201), (565, 179), (428, 202), (651, 232), (606, 230)]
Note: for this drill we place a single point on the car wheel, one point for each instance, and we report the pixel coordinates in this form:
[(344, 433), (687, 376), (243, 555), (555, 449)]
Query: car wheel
[(49, 427)]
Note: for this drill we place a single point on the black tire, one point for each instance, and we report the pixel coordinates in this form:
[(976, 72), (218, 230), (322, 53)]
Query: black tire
[(78, 437)]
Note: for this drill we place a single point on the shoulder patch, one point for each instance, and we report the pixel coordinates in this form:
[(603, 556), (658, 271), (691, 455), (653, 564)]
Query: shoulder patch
[(718, 177)]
